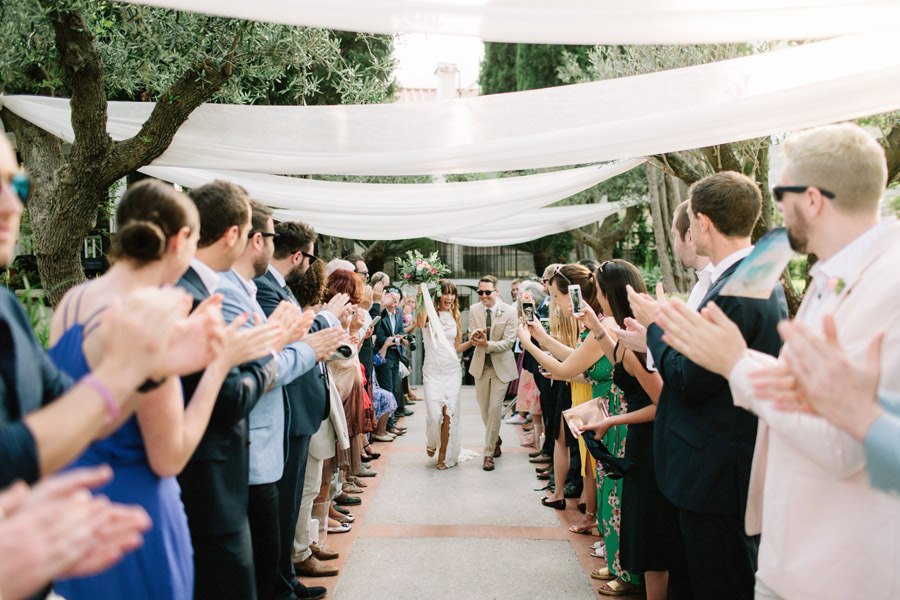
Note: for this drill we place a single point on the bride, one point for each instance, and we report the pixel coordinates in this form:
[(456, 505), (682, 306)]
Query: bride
[(442, 373)]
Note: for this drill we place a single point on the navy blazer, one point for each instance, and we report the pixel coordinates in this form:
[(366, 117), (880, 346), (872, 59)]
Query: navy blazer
[(214, 482), (703, 444), (28, 381), (308, 394), (383, 332)]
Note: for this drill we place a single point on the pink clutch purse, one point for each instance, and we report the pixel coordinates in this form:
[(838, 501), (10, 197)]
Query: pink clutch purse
[(583, 415)]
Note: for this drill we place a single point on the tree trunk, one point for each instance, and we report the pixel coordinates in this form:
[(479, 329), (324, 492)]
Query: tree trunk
[(375, 256), (656, 189)]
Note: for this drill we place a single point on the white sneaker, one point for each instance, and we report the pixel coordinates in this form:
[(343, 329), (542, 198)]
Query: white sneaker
[(517, 419)]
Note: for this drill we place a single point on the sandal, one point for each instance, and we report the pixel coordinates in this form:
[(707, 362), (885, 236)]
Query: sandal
[(603, 574), (617, 587), (441, 466), (430, 451), (585, 528), (598, 550)]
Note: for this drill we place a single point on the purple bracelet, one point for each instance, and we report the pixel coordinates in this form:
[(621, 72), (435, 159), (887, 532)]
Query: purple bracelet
[(112, 409)]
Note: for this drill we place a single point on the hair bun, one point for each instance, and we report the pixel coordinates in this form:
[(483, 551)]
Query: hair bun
[(142, 240)]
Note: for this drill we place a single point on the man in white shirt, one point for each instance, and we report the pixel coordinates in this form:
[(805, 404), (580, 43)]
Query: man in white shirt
[(825, 532)]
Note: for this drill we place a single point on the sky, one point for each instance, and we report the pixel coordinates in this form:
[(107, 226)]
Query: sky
[(418, 55)]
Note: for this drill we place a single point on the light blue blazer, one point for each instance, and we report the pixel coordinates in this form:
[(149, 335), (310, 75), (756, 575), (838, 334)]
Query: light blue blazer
[(883, 445), (268, 417)]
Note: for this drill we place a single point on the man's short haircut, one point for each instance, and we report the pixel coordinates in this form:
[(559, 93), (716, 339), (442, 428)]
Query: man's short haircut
[(681, 220), (731, 200), (292, 236), (259, 217), (221, 205), (489, 279), (842, 159), (354, 258)]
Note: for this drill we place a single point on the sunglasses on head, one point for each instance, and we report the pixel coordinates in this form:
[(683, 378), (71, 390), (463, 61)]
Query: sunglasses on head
[(779, 191), (558, 271), (484, 292), (21, 185)]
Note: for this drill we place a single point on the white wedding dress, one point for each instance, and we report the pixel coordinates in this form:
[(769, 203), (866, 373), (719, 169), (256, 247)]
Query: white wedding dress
[(442, 378)]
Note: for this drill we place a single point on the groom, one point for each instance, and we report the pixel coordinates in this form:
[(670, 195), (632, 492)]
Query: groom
[(492, 329)]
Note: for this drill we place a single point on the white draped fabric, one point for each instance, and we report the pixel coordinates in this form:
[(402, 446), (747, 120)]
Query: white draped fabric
[(399, 211), (533, 224), (674, 110), (569, 21)]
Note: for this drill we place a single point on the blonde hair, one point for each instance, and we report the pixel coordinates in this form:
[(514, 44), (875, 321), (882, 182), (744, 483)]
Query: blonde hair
[(842, 159), (563, 328)]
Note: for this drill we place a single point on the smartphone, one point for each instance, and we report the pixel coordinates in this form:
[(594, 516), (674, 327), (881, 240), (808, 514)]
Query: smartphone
[(528, 311), (375, 321), (575, 297), (545, 323)]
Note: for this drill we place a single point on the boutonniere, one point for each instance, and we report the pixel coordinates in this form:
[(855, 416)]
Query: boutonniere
[(837, 284)]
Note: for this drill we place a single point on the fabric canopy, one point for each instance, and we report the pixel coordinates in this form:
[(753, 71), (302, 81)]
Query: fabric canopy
[(570, 21), (534, 224), (668, 111), (400, 211)]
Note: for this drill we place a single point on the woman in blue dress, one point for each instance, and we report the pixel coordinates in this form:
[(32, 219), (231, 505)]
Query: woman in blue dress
[(158, 229)]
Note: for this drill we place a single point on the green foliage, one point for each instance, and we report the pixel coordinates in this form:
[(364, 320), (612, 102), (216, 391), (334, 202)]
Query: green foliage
[(145, 50), (33, 301), (651, 275), (498, 68)]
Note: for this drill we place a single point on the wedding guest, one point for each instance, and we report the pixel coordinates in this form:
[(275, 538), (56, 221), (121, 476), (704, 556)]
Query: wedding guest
[(442, 373), (492, 330), (293, 256), (157, 232), (300, 353), (47, 420), (548, 392), (704, 443), (829, 192), (388, 340)]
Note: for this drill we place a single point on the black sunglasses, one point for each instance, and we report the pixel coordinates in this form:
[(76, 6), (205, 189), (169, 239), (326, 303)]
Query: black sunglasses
[(780, 190), (21, 185), (484, 292), (312, 257), (265, 234)]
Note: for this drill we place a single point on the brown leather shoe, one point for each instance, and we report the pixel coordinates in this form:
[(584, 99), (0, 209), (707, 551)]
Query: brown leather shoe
[(497, 451), (311, 567), (488, 464), (321, 553)]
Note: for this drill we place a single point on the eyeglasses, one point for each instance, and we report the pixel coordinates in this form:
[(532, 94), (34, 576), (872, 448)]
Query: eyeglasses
[(312, 257), (265, 234), (484, 292), (21, 185), (779, 190), (363, 273)]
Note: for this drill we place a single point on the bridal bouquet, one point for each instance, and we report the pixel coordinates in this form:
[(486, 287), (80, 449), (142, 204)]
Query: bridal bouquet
[(416, 269)]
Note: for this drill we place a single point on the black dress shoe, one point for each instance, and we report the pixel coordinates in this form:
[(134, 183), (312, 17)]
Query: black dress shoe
[(534, 454), (313, 592), (404, 413), (557, 504)]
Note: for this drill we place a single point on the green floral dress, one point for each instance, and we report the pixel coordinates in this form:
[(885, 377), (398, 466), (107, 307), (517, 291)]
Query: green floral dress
[(609, 490)]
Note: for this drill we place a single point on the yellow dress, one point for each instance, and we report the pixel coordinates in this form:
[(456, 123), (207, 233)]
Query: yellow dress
[(581, 393)]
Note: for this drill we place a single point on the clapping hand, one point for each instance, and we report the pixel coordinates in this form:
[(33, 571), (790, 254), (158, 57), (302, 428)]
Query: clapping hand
[(709, 338), (338, 305), (633, 337), (325, 341), (644, 307), (294, 322)]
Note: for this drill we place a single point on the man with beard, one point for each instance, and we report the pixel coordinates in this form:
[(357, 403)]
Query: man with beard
[(703, 444), (267, 419), (307, 396), (820, 518)]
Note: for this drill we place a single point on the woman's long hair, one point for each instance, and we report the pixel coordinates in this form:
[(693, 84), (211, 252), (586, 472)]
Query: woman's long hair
[(612, 277), (445, 286), (308, 286)]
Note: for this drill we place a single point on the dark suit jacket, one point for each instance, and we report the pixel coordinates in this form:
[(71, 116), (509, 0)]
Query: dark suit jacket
[(215, 481), (28, 381), (308, 394), (383, 332), (703, 444)]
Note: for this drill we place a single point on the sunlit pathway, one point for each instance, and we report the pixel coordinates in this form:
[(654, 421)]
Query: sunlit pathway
[(462, 533)]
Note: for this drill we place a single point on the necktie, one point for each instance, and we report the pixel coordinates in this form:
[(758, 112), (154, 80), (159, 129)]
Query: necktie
[(290, 294), (487, 335)]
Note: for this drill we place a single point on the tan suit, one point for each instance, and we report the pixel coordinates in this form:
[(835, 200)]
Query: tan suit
[(492, 381), (826, 533)]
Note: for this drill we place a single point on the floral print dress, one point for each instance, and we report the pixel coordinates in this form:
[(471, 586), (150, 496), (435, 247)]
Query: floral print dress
[(609, 490)]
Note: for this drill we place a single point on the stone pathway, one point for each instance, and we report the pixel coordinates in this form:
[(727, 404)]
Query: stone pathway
[(463, 533)]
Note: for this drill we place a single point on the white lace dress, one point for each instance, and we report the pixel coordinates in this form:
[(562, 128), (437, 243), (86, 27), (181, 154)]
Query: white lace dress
[(442, 378)]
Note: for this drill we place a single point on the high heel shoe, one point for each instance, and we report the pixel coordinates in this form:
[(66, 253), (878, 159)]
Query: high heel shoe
[(557, 504)]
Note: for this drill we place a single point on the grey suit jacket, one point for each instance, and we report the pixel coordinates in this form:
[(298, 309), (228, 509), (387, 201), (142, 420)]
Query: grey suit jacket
[(267, 419)]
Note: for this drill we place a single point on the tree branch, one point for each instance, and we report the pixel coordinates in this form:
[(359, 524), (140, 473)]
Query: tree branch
[(722, 158), (677, 164), (83, 76), (891, 143), (196, 86)]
